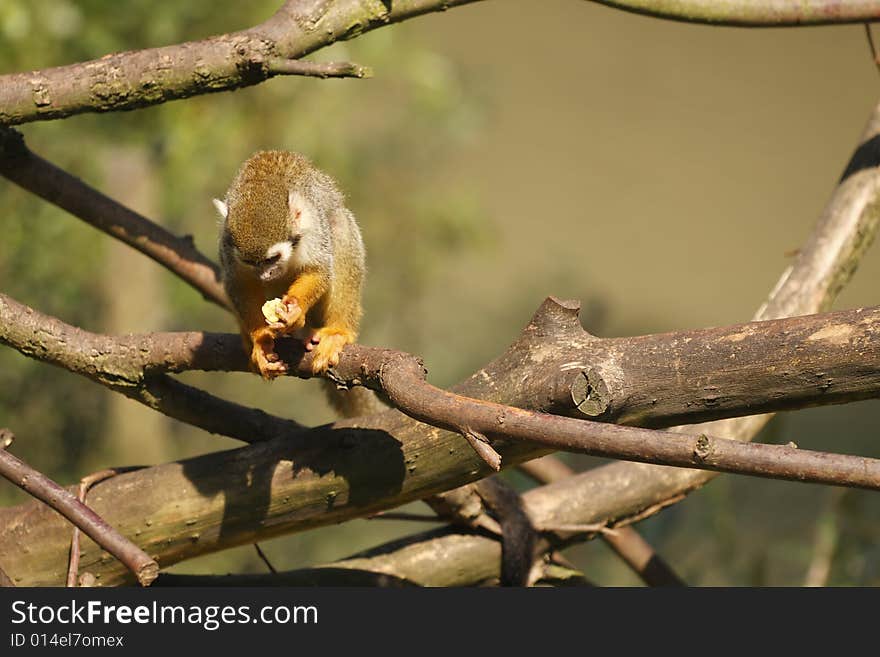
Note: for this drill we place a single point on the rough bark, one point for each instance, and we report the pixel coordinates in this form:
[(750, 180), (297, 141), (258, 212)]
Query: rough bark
[(134, 79), (130, 80), (307, 478)]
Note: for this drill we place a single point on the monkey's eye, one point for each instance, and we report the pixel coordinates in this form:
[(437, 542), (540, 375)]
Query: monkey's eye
[(271, 260), (294, 240)]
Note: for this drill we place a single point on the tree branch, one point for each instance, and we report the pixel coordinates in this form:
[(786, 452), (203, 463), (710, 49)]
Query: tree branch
[(650, 381), (403, 380), (82, 491), (837, 359), (134, 79), (626, 542), (754, 13), (456, 556), (822, 268), (178, 255), (134, 366), (357, 467), (588, 388), (81, 516), (279, 66)]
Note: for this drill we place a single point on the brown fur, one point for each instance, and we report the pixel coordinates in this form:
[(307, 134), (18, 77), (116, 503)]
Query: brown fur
[(323, 290)]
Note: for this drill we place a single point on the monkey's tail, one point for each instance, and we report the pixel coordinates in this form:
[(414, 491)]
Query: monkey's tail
[(518, 535)]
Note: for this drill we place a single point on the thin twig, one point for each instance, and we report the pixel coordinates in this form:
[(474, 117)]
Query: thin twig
[(6, 439), (264, 558), (482, 447), (872, 46), (828, 368), (584, 528), (281, 66), (47, 491), (82, 491), (754, 13), (408, 517)]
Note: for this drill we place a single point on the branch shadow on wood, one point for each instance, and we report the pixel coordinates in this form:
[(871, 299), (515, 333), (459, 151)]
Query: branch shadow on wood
[(337, 455), (327, 451)]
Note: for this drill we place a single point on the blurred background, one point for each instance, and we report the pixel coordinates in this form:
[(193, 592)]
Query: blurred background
[(661, 173)]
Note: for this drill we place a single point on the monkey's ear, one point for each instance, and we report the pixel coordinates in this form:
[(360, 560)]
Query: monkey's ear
[(295, 202), (221, 207), (300, 210)]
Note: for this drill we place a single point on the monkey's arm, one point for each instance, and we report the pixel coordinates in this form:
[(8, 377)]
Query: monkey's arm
[(305, 291), (247, 295)]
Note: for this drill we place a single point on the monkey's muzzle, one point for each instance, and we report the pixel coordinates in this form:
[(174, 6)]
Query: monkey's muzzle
[(271, 272)]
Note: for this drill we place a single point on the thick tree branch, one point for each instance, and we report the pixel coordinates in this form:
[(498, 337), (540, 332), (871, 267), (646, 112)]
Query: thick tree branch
[(649, 381), (129, 80), (839, 350), (178, 255), (822, 268), (81, 516), (357, 467), (201, 409), (449, 556), (134, 366), (626, 542), (313, 486), (403, 381), (585, 394)]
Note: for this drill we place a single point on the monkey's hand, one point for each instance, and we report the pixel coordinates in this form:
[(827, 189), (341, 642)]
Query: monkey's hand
[(263, 357), (284, 316), (326, 344)]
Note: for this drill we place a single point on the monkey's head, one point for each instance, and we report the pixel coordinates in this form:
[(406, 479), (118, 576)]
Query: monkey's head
[(271, 209)]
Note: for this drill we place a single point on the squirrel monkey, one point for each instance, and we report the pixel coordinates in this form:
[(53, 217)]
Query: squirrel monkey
[(287, 233)]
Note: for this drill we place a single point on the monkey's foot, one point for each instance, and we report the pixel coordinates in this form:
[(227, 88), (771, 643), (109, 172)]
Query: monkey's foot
[(326, 344), (265, 361)]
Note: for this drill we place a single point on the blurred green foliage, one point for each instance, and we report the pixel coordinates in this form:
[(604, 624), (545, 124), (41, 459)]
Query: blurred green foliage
[(379, 138)]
